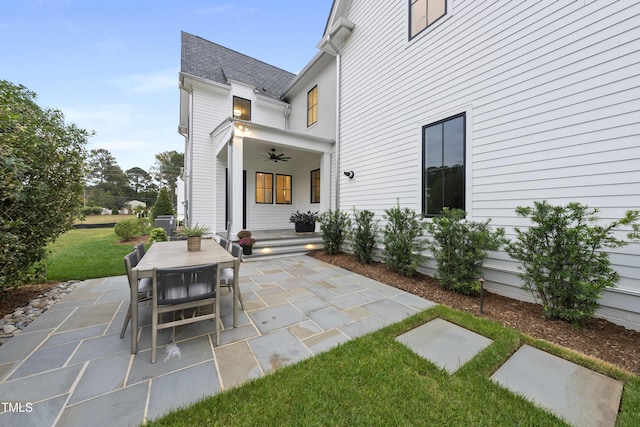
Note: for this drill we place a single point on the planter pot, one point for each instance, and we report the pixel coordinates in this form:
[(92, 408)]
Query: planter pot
[(305, 227), (247, 250), (194, 243)]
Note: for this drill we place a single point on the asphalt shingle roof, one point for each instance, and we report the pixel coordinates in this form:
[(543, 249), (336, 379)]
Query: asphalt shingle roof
[(208, 60)]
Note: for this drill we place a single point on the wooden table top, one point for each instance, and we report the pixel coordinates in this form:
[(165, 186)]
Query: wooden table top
[(175, 254)]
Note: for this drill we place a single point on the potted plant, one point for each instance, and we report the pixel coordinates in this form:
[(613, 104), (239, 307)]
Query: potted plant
[(247, 243), (305, 222), (244, 233), (194, 236)]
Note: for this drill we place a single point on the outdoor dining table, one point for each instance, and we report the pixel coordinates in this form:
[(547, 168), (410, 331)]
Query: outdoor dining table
[(173, 255)]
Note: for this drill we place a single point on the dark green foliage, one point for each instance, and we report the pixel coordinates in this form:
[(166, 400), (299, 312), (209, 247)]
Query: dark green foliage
[(363, 235), (163, 205), (333, 225), (128, 228), (403, 243), (158, 235), (562, 259), (460, 248), (42, 162)]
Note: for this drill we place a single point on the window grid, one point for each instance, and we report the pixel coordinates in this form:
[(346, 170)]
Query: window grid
[(283, 189), (312, 106), (315, 186), (444, 165), (423, 13), (264, 188)]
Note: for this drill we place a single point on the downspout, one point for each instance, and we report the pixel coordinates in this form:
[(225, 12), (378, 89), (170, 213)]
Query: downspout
[(287, 111), (188, 144), (229, 203), (337, 192)]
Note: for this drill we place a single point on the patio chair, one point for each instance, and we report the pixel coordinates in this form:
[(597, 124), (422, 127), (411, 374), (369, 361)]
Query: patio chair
[(139, 249), (227, 275), (224, 243), (184, 290), (144, 287)]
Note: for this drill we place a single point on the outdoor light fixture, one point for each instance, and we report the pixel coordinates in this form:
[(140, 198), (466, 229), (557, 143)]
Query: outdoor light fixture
[(349, 174)]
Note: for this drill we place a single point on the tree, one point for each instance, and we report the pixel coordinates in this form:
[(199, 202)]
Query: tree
[(162, 206), (108, 179), (139, 180), (167, 169), (43, 166)]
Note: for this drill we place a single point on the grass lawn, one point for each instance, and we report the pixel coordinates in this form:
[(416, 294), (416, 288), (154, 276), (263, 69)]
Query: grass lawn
[(88, 253), (376, 381)]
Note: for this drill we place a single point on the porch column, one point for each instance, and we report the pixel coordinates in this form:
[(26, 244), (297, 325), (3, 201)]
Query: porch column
[(236, 154), (325, 182)]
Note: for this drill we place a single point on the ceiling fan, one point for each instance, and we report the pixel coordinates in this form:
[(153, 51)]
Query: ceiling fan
[(277, 157)]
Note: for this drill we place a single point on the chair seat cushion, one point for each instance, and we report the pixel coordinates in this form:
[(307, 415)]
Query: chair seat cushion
[(145, 284), (192, 292)]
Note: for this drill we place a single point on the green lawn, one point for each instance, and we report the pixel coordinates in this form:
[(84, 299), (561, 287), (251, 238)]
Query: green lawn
[(376, 381), (88, 253)]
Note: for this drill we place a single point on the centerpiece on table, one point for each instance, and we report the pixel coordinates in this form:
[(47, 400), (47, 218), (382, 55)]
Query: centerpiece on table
[(305, 222), (194, 236)]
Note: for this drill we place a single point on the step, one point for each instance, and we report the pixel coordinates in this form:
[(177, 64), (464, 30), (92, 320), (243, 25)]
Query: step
[(284, 247)]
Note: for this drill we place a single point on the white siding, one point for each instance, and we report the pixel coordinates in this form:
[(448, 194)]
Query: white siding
[(325, 127), (552, 96)]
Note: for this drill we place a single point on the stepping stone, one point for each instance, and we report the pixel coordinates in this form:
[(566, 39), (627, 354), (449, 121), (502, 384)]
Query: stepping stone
[(579, 395), (446, 345)]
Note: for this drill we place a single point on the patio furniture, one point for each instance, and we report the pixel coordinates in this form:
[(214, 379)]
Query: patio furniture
[(228, 275), (172, 255), (184, 290), (140, 251), (143, 287), (224, 243)]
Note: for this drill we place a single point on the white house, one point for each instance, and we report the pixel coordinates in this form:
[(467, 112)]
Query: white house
[(484, 106)]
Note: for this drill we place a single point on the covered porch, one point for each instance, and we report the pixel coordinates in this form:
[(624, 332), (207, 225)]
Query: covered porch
[(264, 174)]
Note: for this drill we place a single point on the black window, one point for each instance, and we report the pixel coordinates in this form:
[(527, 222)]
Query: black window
[(264, 187), (443, 145), (315, 186), (241, 108), (423, 13), (283, 189)]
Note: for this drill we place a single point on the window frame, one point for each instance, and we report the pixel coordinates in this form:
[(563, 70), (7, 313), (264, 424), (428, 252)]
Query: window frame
[(264, 189), (314, 186), (247, 106), (278, 189), (312, 109), (443, 168), (427, 24)]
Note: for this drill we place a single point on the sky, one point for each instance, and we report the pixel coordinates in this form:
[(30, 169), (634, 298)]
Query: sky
[(111, 66)]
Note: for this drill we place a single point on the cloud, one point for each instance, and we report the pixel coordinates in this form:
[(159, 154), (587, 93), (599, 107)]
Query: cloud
[(154, 82)]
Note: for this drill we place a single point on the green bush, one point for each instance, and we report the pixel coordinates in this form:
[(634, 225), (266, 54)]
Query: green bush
[(460, 248), (403, 243), (128, 229), (162, 205), (363, 235), (91, 210), (562, 259), (333, 225), (158, 235)]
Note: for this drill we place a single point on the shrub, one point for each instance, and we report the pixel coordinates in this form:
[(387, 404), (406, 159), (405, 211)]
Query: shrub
[(128, 228), (162, 206), (460, 248), (91, 210), (333, 225), (158, 235), (561, 257), (402, 240), (363, 235)]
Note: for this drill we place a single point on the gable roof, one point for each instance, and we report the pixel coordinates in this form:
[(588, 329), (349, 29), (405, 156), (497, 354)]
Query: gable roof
[(208, 60)]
